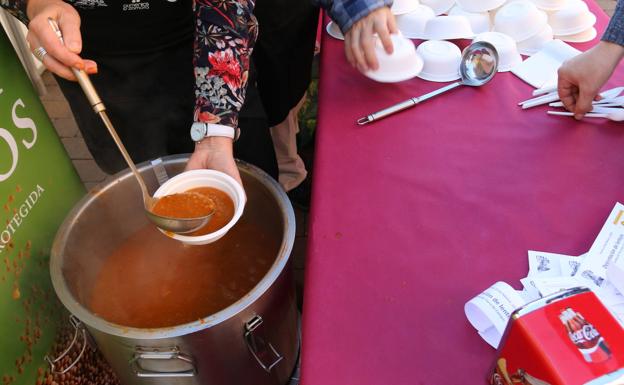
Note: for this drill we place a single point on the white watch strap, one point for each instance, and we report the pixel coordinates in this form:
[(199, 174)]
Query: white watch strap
[(220, 130)]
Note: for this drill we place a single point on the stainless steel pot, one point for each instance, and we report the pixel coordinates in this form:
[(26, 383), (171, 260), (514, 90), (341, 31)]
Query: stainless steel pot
[(253, 341)]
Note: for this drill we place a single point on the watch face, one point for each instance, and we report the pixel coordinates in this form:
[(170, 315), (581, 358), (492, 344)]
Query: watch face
[(198, 131)]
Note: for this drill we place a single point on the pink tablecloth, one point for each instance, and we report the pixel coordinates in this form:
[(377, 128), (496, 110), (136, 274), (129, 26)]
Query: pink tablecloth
[(415, 214)]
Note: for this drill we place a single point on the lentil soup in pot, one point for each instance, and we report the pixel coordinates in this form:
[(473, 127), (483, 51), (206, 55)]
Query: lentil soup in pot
[(153, 281)]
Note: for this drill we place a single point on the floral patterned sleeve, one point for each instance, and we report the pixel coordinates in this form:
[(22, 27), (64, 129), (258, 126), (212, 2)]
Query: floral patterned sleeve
[(16, 8), (225, 33)]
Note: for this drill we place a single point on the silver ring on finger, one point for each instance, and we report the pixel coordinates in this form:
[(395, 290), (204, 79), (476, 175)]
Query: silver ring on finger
[(40, 53)]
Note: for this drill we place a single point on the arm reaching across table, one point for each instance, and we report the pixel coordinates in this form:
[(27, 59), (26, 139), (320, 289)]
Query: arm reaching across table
[(360, 20), (581, 77)]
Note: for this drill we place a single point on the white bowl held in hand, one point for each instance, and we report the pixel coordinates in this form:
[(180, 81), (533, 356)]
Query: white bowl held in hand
[(448, 28), (520, 19), (412, 25), (479, 21), (439, 6), (581, 37), (574, 18), (441, 61), (508, 55), (400, 7), (479, 5), (205, 178), (402, 64), (550, 5), (535, 43)]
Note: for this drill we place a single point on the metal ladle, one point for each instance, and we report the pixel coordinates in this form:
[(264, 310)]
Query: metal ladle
[(479, 64), (174, 225)]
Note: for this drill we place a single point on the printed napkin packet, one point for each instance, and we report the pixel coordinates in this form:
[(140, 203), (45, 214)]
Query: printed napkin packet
[(601, 270)]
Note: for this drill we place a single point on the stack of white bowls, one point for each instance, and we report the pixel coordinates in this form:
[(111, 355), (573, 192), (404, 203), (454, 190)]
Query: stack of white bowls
[(412, 24), (508, 55), (526, 24), (439, 6), (401, 7), (479, 21), (448, 28), (514, 27), (573, 22)]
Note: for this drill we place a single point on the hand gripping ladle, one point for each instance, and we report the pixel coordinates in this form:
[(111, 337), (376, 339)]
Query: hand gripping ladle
[(174, 225)]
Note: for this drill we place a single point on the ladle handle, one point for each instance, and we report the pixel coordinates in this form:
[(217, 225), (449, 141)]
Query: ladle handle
[(100, 109), (405, 104)]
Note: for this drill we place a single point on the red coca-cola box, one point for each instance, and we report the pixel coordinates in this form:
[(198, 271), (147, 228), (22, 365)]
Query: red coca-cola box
[(568, 338)]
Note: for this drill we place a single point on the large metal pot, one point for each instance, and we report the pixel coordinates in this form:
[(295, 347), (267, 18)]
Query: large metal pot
[(253, 341)]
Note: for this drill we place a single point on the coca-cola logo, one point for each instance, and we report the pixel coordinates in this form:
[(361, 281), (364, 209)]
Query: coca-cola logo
[(586, 334)]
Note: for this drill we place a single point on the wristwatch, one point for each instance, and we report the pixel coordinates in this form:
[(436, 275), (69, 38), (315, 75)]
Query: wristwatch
[(201, 130)]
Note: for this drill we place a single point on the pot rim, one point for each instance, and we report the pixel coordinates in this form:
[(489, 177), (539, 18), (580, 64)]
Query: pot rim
[(86, 316)]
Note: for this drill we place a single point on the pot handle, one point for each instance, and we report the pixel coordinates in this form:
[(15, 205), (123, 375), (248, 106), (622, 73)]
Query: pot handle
[(173, 353), (78, 329), (259, 347)]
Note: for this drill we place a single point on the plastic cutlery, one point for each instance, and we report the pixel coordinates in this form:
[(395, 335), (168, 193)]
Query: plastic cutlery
[(614, 102), (545, 89), (540, 100), (617, 116), (617, 100), (608, 96)]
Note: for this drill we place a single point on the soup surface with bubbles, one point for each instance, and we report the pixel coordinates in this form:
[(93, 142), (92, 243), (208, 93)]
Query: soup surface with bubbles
[(152, 281)]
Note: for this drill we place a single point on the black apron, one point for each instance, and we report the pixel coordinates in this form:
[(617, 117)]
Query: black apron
[(145, 78)]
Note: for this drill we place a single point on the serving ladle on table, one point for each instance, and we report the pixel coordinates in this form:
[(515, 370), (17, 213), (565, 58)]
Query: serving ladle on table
[(174, 225), (479, 63)]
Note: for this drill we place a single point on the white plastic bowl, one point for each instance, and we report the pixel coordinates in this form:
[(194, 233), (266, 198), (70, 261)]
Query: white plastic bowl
[(479, 5), (441, 60), (535, 43), (479, 21), (412, 25), (400, 7), (402, 64), (574, 18), (520, 19), (438, 6), (508, 55), (334, 30), (205, 178), (581, 37), (550, 5), (448, 28)]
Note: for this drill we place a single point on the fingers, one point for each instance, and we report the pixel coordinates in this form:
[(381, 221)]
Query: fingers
[(583, 102), (348, 52), (392, 25), (360, 40), (40, 33), (568, 93), (69, 25), (60, 55), (352, 45), (367, 44), (384, 35)]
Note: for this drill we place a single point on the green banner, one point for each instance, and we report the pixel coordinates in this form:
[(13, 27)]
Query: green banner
[(38, 186)]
